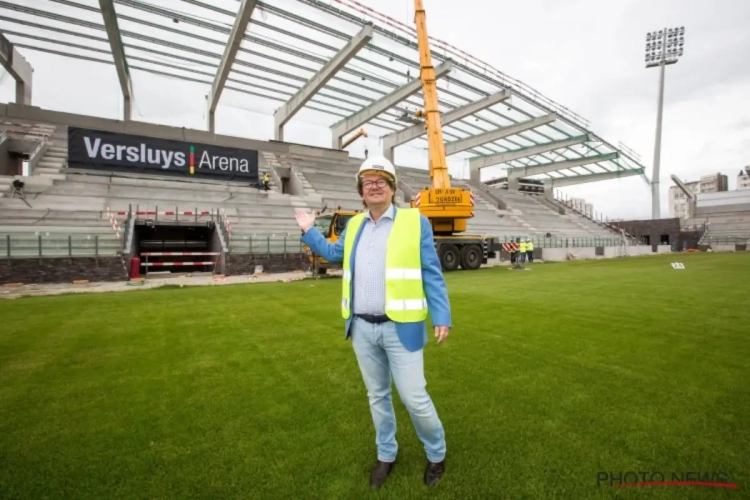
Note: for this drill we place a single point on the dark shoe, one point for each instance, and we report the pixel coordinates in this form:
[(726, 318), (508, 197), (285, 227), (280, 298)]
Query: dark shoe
[(380, 473), (433, 472)]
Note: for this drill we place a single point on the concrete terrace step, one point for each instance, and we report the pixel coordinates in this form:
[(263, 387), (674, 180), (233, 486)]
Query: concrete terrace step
[(340, 194), (49, 160), (160, 181), (51, 214), (50, 172), (260, 211), (15, 229), (104, 188), (33, 183), (344, 204), (147, 196), (337, 181), (286, 225), (31, 222), (55, 176)]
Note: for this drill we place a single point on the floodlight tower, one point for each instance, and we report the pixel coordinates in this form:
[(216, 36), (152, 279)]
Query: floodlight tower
[(663, 47)]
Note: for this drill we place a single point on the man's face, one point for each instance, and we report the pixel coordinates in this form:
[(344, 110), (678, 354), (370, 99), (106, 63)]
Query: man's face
[(375, 189)]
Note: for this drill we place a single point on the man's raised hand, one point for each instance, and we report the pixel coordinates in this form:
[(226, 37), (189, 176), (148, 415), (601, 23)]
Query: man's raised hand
[(305, 219)]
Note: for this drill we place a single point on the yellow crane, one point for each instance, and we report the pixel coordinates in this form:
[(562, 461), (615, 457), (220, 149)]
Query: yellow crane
[(447, 207)]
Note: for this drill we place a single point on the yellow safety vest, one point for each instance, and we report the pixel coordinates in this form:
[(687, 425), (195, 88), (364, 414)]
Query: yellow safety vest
[(405, 301), (522, 247), (529, 247)]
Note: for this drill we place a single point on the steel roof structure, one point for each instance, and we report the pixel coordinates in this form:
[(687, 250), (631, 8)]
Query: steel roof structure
[(336, 57)]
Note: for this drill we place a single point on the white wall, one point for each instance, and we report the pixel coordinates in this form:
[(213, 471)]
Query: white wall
[(585, 253)]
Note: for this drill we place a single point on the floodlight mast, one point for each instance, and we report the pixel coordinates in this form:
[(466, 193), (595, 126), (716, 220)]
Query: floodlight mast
[(662, 48)]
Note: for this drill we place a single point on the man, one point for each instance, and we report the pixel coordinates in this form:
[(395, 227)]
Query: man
[(266, 181), (521, 255), (529, 250), (392, 278)]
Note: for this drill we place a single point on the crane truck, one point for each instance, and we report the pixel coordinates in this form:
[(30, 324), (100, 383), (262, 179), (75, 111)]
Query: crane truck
[(448, 208)]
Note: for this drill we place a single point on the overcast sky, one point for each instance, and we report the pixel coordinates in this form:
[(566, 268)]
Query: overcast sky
[(585, 54)]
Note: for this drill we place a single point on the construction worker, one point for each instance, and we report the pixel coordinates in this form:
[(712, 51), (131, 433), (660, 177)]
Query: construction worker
[(529, 251), (392, 278), (266, 180), (521, 257)]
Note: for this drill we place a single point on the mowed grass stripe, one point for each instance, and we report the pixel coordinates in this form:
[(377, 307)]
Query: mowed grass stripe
[(548, 377)]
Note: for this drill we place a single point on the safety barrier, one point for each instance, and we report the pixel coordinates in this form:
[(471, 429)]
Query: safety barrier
[(168, 212), (162, 264), (34, 244), (114, 223), (227, 224), (178, 263), (266, 244), (195, 214)]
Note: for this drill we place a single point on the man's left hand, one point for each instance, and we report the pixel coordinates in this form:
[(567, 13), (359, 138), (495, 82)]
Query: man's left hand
[(441, 333)]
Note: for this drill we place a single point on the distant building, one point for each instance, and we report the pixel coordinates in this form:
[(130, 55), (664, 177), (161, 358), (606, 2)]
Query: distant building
[(743, 179), (713, 183), (582, 206)]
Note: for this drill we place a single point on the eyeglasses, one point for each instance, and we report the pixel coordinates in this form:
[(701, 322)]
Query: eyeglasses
[(381, 183)]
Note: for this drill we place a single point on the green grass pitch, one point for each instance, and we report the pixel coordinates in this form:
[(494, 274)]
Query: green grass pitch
[(549, 377)]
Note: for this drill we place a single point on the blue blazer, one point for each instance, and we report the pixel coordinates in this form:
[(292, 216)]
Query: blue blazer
[(413, 336)]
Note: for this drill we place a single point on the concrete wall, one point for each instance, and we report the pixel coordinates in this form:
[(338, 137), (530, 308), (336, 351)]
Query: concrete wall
[(12, 111), (712, 211), (4, 160), (723, 248), (61, 270), (295, 184), (654, 229), (721, 199), (216, 246), (237, 264), (586, 253), (560, 254)]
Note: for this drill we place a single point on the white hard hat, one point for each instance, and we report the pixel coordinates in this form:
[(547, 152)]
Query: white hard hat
[(377, 164)]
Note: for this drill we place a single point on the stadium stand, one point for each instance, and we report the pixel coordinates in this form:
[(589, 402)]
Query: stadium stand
[(77, 200), (726, 215)]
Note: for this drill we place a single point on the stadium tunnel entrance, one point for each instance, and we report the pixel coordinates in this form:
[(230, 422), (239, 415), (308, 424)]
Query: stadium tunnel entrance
[(169, 248)]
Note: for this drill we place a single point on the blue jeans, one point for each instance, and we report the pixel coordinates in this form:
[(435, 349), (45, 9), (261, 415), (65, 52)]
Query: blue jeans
[(380, 355)]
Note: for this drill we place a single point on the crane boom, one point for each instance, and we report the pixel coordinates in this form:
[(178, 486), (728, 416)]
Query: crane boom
[(438, 163), (446, 207)]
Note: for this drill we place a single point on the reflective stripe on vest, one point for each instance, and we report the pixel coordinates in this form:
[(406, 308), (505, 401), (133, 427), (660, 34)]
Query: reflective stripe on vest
[(404, 293)]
